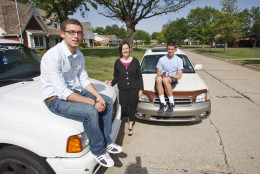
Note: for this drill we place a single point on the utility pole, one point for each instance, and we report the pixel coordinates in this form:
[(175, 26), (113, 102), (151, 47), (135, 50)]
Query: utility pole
[(21, 39)]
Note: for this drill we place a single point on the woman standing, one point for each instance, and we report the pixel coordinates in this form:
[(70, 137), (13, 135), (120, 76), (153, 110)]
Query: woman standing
[(128, 77)]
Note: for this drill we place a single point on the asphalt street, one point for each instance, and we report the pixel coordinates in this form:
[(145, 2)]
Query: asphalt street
[(227, 142)]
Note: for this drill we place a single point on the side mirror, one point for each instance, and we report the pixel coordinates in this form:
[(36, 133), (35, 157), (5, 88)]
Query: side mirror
[(198, 67)]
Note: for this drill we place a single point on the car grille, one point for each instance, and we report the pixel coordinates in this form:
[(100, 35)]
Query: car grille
[(177, 101)]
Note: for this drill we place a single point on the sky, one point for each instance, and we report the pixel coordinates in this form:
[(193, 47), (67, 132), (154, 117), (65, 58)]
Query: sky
[(155, 24)]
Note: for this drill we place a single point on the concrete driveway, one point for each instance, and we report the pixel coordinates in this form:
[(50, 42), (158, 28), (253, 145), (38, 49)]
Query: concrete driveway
[(227, 142)]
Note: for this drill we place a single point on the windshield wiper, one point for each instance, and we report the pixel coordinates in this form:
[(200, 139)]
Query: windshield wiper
[(16, 80)]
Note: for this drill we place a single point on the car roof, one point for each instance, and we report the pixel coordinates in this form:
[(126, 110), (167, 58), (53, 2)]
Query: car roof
[(7, 41), (161, 50)]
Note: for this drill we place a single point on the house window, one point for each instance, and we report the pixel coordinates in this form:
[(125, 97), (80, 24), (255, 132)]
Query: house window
[(57, 40), (55, 25), (38, 41)]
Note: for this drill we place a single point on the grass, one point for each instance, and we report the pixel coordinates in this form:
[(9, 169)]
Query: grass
[(100, 61), (231, 53), (250, 62)]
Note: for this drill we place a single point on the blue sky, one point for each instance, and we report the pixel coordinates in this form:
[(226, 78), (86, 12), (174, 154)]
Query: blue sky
[(155, 24)]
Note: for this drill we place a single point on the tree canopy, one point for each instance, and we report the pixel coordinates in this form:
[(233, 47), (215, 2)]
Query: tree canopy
[(114, 30), (229, 26), (202, 24), (61, 9), (133, 11), (177, 31), (142, 35)]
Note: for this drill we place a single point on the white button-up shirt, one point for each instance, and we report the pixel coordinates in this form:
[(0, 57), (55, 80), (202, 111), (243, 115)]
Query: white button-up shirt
[(59, 71)]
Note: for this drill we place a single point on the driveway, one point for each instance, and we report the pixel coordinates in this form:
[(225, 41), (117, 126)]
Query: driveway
[(227, 142)]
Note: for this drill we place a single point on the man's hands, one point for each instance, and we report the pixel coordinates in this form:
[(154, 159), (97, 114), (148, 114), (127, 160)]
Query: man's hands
[(101, 104)]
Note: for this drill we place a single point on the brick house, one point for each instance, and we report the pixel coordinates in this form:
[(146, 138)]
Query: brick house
[(36, 34)]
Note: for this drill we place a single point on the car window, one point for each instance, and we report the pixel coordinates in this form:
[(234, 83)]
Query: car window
[(149, 63), (17, 62)]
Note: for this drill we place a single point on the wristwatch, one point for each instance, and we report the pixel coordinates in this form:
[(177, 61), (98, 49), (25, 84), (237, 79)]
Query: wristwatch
[(95, 102)]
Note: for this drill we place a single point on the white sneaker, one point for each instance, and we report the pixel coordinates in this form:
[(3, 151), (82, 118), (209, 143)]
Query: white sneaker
[(114, 148), (105, 160)]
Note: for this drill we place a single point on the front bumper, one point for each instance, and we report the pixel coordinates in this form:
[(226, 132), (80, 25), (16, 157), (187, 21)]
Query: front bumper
[(85, 164), (182, 113)]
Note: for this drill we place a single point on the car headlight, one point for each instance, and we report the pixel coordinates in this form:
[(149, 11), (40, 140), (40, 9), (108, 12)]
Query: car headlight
[(144, 98), (77, 143), (202, 97)]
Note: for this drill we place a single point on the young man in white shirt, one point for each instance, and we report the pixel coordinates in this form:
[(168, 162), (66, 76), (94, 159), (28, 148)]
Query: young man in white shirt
[(169, 70), (60, 66)]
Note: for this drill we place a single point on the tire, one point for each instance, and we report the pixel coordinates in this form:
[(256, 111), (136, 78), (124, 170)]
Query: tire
[(14, 159)]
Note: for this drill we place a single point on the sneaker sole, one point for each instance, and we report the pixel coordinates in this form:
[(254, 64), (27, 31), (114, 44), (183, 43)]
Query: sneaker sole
[(113, 152)]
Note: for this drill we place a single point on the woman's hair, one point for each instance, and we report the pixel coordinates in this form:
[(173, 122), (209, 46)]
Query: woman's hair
[(120, 47)]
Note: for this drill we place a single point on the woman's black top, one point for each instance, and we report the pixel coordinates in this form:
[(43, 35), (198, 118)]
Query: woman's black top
[(128, 77)]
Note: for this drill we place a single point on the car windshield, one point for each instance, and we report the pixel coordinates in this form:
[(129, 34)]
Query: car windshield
[(17, 63), (149, 63)]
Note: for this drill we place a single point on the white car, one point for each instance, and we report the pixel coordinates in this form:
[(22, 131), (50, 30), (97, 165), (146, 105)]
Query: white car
[(32, 139), (191, 95)]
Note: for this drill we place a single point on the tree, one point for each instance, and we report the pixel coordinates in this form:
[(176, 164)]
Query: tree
[(133, 11), (160, 36), (142, 35), (99, 30), (115, 30), (245, 19), (23, 1), (61, 9), (112, 30), (177, 31), (255, 34), (228, 22), (154, 35), (202, 24)]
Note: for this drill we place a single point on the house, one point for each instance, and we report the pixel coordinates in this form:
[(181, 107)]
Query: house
[(105, 39), (88, 34), (36, 33)]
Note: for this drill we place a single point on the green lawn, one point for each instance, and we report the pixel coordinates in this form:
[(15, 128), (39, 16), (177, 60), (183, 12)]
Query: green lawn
[(250, 62), (231, 53), (100, 61)]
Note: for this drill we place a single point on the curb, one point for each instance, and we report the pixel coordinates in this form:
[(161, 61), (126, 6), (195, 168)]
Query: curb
[(232, 61)]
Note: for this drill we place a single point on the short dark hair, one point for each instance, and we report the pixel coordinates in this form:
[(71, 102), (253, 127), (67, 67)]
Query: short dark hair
[(171, 44), (70, 21), (120, 47)]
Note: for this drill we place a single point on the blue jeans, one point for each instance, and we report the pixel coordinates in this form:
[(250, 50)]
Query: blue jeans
[(96, 125)]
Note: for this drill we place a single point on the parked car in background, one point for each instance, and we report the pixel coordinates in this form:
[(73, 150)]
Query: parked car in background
[(33, 139), (216, 44), (115, 44), (191, 95)]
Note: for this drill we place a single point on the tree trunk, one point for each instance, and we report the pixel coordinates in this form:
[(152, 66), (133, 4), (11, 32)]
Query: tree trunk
[(225, 47), (255, 42), (130, 36)]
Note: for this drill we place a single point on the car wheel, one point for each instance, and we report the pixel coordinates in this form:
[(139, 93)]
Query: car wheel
[(14, 159)]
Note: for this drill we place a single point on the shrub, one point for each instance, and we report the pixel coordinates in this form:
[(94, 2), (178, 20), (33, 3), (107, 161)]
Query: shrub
[(83, 45)]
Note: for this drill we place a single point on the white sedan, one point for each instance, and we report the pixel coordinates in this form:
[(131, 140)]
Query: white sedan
[(191, 95)]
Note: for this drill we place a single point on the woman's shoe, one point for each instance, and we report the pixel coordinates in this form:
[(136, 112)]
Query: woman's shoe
[(130, 132)]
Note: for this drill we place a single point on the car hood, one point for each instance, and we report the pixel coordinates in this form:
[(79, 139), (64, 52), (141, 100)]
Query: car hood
[(188, 82), (31, 107)]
